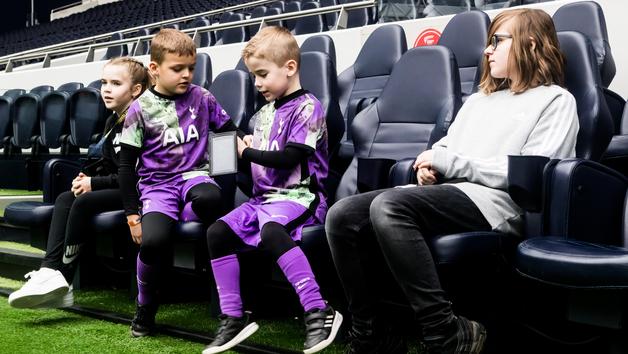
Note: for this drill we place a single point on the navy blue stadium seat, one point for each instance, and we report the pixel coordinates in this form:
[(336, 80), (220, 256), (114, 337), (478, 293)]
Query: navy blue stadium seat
[(224, 18), (258, 11), (234, 91), (87, 117), (273, 11), (203, 70), (279, 5), (205, 39), (583, 252), (465, 35), (292, 6), (116, 50), (587, 18), (362, 83), (320, 43), (234, 35), (408, 117), (143, 47), (356, 17), (26, 117), (310, 24), (54, 120), (330, 18), (6, 118), (35, 216), (95, 84)]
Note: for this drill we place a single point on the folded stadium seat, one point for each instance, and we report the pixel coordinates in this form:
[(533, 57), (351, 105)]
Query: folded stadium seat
[(26, 118), (96, 84), (234, 91), (310, 24), (224, 18), (362, 83), (357, 17), (143, 47), (204, 39), (279, 5), (331, 18), (582, 257), (587, 18), (465, 35), (6, 119), (54, 120), (172, 25), (87, 117), (234, 35), (408, 117), (258, 11), (273, 11), (117, 50), (320, 43), (292, 6), (203, 70)]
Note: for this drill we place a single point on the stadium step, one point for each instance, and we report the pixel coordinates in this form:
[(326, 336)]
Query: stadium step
[(14, 263)]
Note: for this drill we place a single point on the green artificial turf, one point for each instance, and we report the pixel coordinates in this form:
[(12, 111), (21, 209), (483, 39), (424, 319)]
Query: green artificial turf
[(9, 192), (21, 247), (56, 331), (47, 331)]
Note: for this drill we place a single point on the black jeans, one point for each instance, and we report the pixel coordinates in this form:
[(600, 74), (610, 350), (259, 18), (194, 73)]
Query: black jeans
[(394, 223), (70, 224)]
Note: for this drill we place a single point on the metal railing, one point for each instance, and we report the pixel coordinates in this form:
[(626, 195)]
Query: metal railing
[(90, 48), (106, 36)]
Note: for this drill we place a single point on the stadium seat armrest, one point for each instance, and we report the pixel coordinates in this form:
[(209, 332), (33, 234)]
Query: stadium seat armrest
[(401, 173), (525, 180), (373, 173)]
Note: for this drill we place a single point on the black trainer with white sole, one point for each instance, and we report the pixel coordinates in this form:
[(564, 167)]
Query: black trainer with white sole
[(321, 327), (143, 323), (231, 331)]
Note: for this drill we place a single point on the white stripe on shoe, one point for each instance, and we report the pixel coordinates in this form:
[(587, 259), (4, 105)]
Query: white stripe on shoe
[(335, 326)]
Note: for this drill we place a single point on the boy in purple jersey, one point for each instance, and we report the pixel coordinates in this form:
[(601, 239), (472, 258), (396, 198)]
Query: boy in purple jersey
[(164, 156), (288, 156)]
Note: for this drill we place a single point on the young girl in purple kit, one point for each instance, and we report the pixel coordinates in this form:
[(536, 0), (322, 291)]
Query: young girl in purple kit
[(288, 156)]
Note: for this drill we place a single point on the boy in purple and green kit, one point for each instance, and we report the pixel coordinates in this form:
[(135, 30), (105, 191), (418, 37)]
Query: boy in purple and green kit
[(288, 156), (164, 156)]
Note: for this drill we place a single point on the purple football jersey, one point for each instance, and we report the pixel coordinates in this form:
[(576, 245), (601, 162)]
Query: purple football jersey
[(298, 122), (172, 133)]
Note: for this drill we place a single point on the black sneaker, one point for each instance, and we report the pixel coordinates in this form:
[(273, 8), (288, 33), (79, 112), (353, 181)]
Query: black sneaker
[(143, 323), (321, 327), (372, 344), (231, 331), (467, 339)]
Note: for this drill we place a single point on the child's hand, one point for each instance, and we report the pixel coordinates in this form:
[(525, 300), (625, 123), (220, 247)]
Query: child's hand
[(248, 140), (241, 146), (81, 184), (135, 226)]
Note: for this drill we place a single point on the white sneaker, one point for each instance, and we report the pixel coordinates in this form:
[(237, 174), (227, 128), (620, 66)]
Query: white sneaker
[(56, 302), (45, 285)]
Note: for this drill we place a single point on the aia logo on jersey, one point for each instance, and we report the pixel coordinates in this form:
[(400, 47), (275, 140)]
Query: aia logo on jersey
[(179, 136), (270, 146)]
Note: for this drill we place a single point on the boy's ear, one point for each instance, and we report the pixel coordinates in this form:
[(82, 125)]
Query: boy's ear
[(152, 67), (291, 65)]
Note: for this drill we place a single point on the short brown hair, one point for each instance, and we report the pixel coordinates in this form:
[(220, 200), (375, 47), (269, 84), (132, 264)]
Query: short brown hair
[(137, 70), (542, 66), (273, 43), (170, 40)]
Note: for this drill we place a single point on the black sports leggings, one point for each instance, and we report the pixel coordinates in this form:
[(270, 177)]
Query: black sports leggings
[(71, 222), (157, 228), (222, 241)]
